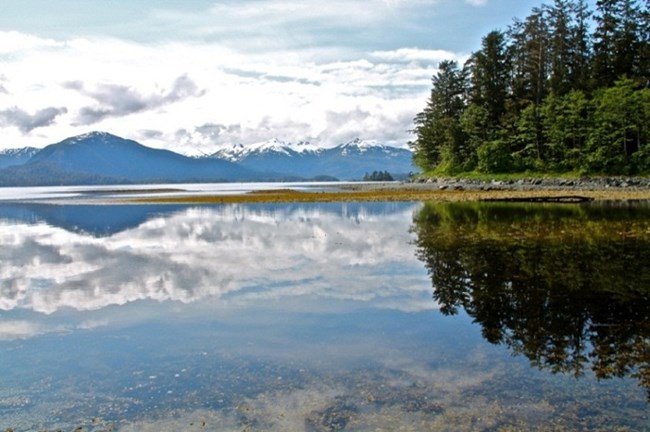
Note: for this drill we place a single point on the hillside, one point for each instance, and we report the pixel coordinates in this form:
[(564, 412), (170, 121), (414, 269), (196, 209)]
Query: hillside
[(18, 156), (349, 161), (102, 158)]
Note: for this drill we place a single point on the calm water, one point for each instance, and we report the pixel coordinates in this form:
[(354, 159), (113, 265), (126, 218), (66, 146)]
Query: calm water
[(102, 192), (324, 317)]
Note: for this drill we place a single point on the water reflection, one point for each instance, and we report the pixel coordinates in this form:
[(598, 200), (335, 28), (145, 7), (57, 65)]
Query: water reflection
[(50, 260), (566, 286), (266, 317)]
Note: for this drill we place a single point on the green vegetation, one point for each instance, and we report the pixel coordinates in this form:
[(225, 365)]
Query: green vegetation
[(378, 176), (547, 95)]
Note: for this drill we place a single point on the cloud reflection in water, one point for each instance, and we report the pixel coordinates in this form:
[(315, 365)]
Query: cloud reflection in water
[(238, 254)]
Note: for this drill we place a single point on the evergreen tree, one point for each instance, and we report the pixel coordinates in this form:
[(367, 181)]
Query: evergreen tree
[(560, 47), (617, 41), (490, 71), (604, 45), (530, 51), (567, 121), (550, 96), (620, 128), (580, 46), (437, 130), (568, 46), (644, 49), (474, 124), (378, 176)]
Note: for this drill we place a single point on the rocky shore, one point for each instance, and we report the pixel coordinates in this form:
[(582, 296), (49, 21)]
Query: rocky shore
[(439, 189), (534, 184)]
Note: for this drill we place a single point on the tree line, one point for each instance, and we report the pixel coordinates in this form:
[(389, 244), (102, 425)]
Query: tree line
[(378, 176), (566, 89)]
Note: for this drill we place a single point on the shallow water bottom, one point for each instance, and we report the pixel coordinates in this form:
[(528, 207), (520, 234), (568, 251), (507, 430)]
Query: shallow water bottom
[(204, 376)]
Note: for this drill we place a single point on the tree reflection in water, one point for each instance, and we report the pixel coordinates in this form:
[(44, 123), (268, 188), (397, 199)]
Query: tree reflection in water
[(567, 286)]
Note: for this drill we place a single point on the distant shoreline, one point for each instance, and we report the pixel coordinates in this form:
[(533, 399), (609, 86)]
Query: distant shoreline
[(439, 190)]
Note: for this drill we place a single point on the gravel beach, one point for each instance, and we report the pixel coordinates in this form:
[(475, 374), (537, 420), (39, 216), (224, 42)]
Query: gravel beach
[(441, 190)]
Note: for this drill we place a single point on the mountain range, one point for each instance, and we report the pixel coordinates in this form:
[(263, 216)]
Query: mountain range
[(349, 161), (103, 158), (19, 156)]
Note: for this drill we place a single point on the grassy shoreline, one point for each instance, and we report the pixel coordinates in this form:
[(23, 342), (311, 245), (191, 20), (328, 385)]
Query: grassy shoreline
[(402, 192)]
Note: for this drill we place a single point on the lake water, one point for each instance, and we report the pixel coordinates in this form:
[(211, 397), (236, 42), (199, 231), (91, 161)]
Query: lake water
[(324, 317), (104, 192)]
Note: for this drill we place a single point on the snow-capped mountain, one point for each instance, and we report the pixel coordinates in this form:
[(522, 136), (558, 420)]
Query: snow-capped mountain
[(11, 157), (238, 152), (101, 158), (348, 161), (359, 146)]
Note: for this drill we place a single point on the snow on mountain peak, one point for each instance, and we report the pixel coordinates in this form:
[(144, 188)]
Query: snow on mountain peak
[(236, 152), (305, 147), (359, 145), (88, 136), (239, 152), (16, 152), (273, 145)]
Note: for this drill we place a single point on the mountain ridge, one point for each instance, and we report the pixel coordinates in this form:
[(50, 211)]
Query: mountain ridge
[(103, 158), (16, 156), (347, 161)]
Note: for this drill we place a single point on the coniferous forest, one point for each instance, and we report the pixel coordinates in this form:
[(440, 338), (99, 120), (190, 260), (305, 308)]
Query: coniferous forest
[(567, 89)]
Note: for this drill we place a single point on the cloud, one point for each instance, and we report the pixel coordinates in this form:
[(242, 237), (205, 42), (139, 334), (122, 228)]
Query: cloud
[(26, 122), (194, 255), (275, 64), (150, 134), (343, 126), (118, 100), (131, 89), (416, 54), (10, 330), (15, 43), (208, 137)]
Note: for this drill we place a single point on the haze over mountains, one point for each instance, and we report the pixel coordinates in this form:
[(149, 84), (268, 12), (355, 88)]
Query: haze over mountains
[(102, 158), (19, 156)]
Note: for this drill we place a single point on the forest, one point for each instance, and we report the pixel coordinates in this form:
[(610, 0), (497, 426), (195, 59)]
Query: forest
[(565, 90)]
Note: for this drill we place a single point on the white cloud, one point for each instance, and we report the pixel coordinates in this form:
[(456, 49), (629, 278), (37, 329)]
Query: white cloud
[(417, 54), (14, 43), (10, 330), (285, 69), (252, 62), (134, 90), (202, 254)]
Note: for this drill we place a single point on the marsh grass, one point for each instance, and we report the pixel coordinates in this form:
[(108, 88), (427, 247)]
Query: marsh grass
[(402, 193)]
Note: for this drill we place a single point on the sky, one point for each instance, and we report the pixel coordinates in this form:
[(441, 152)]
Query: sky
[(195, 75)]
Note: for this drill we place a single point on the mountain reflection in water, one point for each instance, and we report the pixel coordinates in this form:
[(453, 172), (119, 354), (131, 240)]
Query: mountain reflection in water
[(566, 286)]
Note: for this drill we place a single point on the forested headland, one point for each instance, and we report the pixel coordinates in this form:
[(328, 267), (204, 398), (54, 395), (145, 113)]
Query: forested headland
[(565, 90)]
